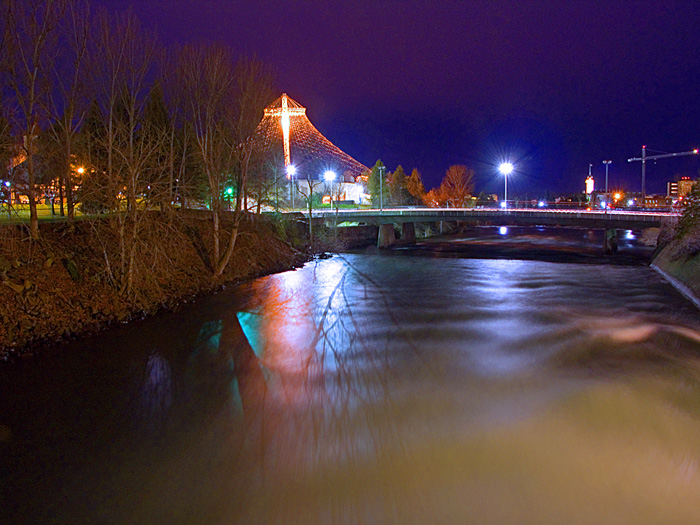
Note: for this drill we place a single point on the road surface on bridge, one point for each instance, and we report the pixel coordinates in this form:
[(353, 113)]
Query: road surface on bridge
[(514, 216)]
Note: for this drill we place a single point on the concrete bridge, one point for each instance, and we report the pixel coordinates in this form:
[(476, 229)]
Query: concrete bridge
[(406, 218)]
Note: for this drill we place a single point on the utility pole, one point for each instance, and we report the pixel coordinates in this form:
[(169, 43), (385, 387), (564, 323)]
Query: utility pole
[(607, 199), (644, 158)]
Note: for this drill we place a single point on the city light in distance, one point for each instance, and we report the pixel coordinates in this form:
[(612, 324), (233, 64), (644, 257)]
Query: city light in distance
[(329, 175)]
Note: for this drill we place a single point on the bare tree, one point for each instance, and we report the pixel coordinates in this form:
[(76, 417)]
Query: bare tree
[(254, 90), (224, 105), (178, 132), (308, 191), (455, 190), (30, 41), (68, 98), (123, 63), (207, 78)]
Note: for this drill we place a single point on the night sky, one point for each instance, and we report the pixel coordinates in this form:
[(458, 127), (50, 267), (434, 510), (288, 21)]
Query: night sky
[(552, 85)]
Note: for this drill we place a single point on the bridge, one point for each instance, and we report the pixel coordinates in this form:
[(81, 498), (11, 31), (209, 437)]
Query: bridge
[(408, 217)]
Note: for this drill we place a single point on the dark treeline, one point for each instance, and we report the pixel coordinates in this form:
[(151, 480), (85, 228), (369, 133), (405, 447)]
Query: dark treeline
[(95, 107)]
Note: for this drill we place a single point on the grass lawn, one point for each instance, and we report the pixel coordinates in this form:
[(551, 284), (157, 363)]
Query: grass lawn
[(20, 213)]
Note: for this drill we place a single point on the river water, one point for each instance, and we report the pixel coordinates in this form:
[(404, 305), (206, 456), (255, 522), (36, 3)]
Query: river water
[(371, 389)]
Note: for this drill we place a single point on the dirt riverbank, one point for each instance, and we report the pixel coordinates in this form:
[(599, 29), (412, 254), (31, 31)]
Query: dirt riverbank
[(66, 284)]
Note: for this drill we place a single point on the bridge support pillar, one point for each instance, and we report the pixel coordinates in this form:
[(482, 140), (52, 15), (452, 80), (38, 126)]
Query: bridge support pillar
[(408, 232), (387, 236), (610, 241)]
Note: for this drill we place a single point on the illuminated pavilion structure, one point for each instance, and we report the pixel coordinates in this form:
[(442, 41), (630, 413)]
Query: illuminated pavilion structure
[(285, 130)]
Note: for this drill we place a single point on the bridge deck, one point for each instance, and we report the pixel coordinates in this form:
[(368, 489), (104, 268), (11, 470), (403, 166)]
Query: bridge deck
[(584, 218)]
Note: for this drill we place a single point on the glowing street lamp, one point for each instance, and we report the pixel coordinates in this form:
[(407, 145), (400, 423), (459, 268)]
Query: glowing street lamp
[(506, 168)]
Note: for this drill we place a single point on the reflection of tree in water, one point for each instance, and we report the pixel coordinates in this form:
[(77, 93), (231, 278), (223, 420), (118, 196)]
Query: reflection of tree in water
[(293, 389), (314, 387), (153, 396)]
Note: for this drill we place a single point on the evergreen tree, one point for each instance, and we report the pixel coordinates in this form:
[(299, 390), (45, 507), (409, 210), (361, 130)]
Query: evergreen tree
[(398, 193), (373, 185), (415, 187)]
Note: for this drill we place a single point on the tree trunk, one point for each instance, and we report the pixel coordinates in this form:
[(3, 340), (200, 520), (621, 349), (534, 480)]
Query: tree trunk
[(223, 263), (69, 188), (311, 222), (61, 183), (215, 220), (31, 191), (171, 164)]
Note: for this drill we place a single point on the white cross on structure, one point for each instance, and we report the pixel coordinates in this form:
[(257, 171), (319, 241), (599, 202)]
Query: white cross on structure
[(284, 113)]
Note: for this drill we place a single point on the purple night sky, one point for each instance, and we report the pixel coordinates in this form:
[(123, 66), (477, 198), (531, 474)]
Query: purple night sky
[(554, 85)]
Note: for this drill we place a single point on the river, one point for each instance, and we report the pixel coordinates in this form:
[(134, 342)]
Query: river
[(368, 388)]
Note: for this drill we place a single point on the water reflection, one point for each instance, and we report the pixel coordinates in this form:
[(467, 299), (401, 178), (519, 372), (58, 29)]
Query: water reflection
[(379, 389), (154, 394)]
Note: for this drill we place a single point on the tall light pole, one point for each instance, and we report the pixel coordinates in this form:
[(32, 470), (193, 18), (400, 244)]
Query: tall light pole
[(382, 169), (8, 185), (607, 199), (506, 168), (291, 170), (329, 177)]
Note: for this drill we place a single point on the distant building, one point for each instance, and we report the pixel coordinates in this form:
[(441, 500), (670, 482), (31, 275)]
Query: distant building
[(590, 185), (285, 131), (657, 201), (685, 186), (672, 189)]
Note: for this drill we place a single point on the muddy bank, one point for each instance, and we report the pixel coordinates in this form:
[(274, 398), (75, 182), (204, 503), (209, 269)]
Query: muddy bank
[(66, 284)]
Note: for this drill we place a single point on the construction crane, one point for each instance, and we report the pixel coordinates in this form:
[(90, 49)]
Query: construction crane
[(644, 158)]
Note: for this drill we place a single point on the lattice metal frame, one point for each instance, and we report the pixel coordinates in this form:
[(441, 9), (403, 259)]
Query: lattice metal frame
[(286, 127)]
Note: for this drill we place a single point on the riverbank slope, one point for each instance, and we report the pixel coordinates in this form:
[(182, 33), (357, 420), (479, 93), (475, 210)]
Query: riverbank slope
[(679, 261), (64, 285)]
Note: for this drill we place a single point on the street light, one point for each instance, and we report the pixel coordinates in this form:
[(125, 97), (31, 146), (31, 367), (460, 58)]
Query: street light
[(291, 170), (607, 164), (329, 177), (506, 168), (382, 169)]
